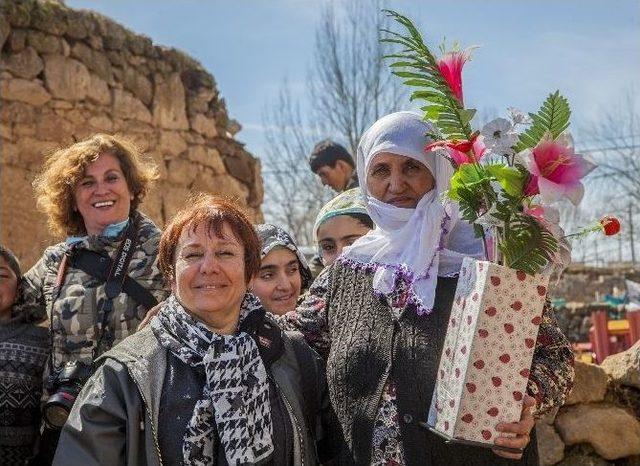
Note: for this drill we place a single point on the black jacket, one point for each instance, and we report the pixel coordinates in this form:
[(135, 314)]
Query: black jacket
[(118, 414)]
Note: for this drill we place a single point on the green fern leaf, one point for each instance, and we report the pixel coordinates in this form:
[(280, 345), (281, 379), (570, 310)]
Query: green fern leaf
[(526, 245), (444, 110), (553, 117)]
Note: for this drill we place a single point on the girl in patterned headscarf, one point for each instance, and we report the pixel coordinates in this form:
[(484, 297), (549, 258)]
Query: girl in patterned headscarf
[(283, 273), (339, 223)]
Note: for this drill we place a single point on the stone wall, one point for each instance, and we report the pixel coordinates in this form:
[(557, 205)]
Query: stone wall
[(580, 283), (67, 74), (599, 423)]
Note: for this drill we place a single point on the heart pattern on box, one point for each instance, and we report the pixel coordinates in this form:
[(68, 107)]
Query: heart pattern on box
[(488, 348)]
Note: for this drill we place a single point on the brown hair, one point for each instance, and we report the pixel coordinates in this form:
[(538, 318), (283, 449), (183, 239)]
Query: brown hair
[(213, 212), (64, 168)]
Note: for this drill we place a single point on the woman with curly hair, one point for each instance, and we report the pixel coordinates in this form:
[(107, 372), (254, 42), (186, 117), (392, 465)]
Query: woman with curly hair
[(96, 285)]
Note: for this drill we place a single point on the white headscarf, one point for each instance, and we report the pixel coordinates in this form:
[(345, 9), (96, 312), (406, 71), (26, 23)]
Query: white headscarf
[(414, 245)]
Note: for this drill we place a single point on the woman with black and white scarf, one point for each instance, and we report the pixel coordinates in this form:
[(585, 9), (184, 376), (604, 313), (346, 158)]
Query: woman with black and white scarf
[(212, 380)]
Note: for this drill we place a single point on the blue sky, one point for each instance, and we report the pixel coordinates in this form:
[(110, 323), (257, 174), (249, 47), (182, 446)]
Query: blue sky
[(589, 49)]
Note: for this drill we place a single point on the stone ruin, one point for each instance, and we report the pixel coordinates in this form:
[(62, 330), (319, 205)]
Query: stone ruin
[(67, 74), (599, 424)]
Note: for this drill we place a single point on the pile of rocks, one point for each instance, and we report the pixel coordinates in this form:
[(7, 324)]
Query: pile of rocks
[(598, 425), (67, 74)]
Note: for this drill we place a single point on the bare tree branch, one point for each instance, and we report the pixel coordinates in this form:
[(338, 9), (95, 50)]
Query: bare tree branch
[(618, 131), (349, 87), (350, 84), (614, 144), (294, 194)]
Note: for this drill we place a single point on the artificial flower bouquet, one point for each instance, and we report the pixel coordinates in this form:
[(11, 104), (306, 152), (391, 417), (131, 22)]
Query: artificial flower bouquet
[(506, 178)]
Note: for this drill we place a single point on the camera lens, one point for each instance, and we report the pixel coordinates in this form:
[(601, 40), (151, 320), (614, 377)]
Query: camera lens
[(56, 410), (56, 416)]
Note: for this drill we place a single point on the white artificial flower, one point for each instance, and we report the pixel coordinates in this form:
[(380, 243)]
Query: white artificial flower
[(499, 136), (518, 117)]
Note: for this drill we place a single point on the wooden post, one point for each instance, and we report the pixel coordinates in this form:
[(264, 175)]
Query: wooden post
[(601, 335), (634, 325)]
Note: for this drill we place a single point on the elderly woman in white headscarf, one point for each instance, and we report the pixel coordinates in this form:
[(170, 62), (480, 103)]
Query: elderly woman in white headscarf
[(380, 312)]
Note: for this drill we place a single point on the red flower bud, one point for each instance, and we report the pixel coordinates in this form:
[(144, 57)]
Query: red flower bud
[(610, 225)]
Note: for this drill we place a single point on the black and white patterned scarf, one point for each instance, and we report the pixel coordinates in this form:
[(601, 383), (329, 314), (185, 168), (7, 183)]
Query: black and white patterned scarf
[(235, 398)]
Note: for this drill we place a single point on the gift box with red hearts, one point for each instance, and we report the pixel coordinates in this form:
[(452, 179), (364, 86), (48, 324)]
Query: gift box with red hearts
[(487, 352)]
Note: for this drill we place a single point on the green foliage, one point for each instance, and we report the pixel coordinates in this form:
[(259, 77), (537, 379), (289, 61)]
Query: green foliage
[(479, 177), (466, 177), (465, 185), (526, 245), (470, 204), (471, 188), (510, 178), (418, 67), (553, 118)]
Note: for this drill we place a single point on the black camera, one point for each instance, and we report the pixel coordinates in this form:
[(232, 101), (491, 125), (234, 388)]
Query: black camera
[(65, 384)]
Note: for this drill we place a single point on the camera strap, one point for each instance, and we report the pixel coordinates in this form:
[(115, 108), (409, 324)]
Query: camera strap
[(98, 266), (113, 272), (114, 284)]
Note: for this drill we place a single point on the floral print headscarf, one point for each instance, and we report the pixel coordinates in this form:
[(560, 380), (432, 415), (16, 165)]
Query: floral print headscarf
[(345, 203)]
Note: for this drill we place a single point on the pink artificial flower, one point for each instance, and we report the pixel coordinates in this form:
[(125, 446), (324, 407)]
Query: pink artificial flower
[(458, 157), (478, 148), (461, 151), (556, 170), (547, 216), (450, 66), (536, 211), (531, 188)]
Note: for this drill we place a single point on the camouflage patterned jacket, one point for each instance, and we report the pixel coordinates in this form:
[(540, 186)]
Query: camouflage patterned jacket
[(74, 312)]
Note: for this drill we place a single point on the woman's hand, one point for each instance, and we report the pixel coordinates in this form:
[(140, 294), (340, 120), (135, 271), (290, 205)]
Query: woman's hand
[(522, 430)]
